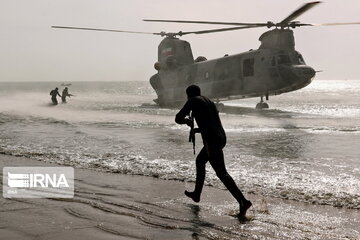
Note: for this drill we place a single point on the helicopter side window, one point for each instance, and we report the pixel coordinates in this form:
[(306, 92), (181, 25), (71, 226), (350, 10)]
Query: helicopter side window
[(284, 59), (248, 67), (206, 75)]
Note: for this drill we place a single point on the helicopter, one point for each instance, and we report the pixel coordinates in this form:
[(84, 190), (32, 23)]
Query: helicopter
[(272, 69)]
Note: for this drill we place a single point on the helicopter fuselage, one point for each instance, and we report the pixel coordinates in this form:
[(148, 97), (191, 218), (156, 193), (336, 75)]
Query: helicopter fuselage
[(275, 68)]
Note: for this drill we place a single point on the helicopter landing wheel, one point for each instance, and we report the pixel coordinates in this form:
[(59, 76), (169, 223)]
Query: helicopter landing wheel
[(262, 104)]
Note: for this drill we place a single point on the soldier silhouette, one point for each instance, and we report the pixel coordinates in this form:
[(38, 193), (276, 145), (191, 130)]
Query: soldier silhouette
[(65, 93), (214, 139), (54, 93)]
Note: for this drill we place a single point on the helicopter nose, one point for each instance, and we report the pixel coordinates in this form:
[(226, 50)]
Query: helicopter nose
[(305, 72)]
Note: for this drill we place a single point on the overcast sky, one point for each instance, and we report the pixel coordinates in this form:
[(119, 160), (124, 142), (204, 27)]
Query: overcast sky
[(31, 51)]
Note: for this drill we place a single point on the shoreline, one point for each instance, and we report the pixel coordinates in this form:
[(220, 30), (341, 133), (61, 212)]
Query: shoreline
[(118, 206)]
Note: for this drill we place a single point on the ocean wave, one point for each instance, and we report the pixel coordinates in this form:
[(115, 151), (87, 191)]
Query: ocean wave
[(16, 118), (292, 183), (330, 130)]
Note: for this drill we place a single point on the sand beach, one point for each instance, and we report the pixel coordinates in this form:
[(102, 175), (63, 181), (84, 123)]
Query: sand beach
[(118, 206)]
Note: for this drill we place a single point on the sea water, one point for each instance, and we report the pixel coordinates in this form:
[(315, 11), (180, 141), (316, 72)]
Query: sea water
[(305, 148)]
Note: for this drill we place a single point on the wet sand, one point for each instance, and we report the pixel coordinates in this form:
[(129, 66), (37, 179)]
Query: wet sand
[(117, 206)]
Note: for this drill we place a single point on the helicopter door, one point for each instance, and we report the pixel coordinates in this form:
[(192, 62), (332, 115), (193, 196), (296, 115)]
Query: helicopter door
[(273, 70), (248, 73)]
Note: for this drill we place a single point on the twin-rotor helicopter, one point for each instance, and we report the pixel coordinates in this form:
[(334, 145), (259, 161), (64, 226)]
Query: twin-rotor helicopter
[(272, 69)]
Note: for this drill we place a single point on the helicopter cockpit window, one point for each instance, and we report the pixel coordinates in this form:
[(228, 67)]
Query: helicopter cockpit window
[(283, 59), (301, 59), (248, 67)]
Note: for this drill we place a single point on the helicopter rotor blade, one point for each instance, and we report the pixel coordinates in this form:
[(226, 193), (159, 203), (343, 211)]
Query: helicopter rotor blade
[(299, 11), (217, 30), (334, 24), (161, 33), (104, 30), (208, 22)]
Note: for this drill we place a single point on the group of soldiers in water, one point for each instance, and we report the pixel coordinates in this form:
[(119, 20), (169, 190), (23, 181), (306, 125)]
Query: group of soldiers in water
[(54, 93)]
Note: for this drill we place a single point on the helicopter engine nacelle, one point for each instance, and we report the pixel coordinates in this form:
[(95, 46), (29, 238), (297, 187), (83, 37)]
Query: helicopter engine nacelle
[(282, 39), (173, 53)]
